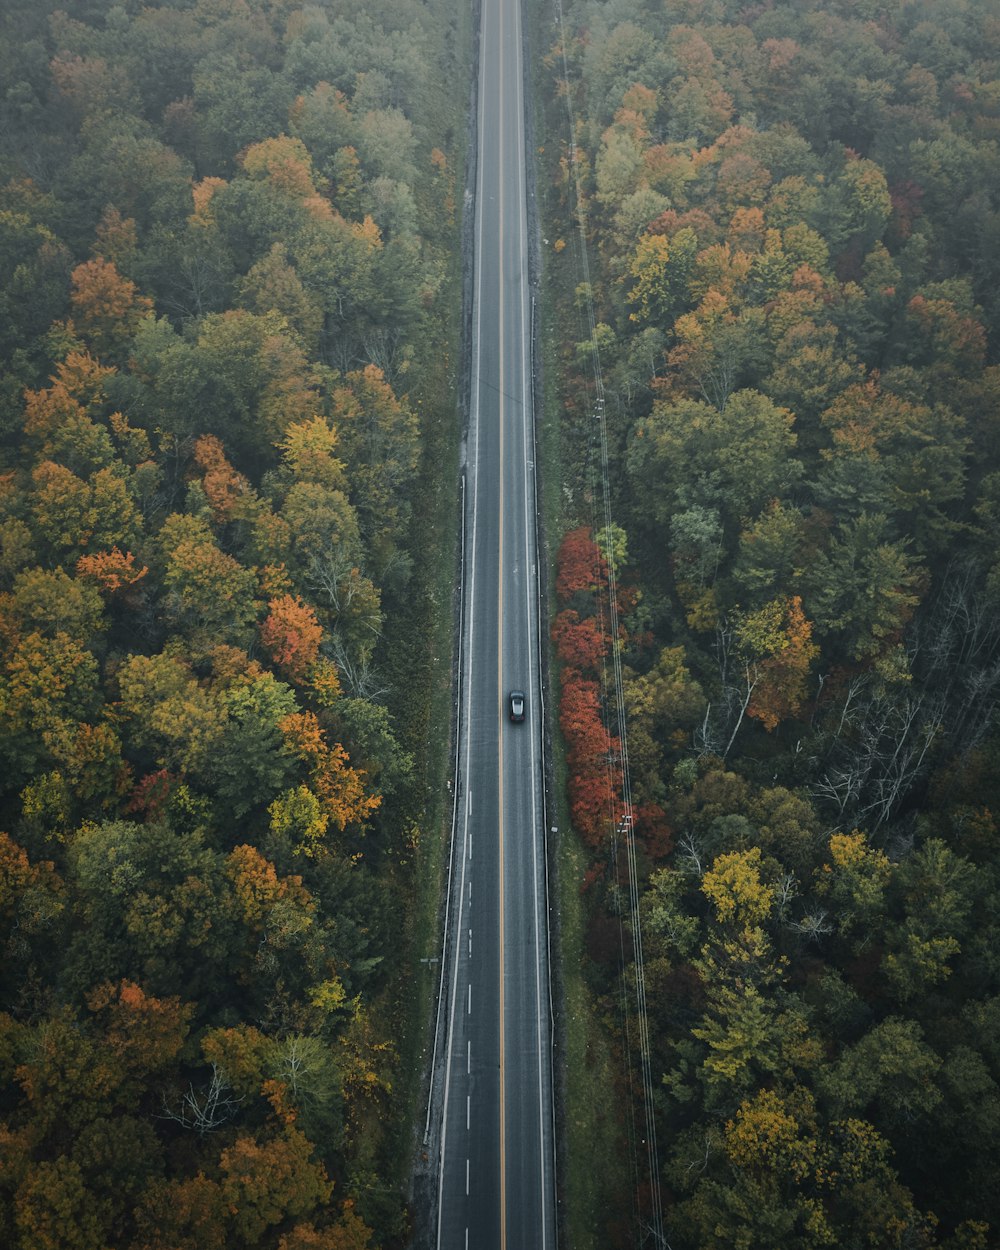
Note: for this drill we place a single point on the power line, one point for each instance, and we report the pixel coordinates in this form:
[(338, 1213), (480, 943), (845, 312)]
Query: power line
[(624, 825)]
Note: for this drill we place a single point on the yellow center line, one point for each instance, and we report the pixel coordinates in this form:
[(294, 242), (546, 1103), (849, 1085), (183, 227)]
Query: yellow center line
[(502, 389)]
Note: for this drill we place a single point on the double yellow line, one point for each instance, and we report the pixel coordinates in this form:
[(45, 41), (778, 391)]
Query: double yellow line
[(500, 686)]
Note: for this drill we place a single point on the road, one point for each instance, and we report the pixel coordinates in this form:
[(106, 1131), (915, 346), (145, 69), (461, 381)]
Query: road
[(496, 1172)]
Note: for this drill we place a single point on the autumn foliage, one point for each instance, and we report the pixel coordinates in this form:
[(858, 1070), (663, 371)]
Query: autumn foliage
[(218, 275), (106, 306), (112, 570), (224, 488), (339, 788), (581, 566), (582, 644), (291, 635)]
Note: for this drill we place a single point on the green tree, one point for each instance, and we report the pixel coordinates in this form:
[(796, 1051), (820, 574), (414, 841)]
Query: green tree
[(862, 588), (891, 1073), (379, 435), (249, 763), (663, 706), (661, 271), (170, 714), (691, 454), (51, 602)]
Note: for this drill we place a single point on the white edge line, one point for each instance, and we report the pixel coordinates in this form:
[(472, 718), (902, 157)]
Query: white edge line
[(471, 459)]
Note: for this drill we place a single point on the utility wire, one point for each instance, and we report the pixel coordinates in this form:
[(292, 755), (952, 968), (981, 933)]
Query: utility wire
[(624, 827)]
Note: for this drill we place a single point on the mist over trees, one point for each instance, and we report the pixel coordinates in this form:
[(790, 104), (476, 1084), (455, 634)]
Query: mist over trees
[(792, 213), (223, 228)]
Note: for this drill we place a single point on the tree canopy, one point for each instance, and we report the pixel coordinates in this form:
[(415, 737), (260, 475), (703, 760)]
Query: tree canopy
[(791, 216), (224, 226)]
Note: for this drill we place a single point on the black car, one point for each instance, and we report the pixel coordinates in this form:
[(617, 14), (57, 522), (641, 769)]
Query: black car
[(516, 704)]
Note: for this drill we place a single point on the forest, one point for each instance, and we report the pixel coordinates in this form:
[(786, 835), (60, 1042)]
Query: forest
[(225, 229), (791, 213)]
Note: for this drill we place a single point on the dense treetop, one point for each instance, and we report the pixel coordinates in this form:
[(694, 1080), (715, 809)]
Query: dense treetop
[(222, 225), (793, 212)]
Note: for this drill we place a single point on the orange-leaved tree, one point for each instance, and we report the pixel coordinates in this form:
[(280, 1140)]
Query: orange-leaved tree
[(225, 488), (112, 570), (291, 635), (339, 788), (107, 308), (777, 644)]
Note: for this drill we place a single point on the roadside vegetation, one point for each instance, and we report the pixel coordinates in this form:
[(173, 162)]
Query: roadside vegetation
[(228, 275), (792, 214)]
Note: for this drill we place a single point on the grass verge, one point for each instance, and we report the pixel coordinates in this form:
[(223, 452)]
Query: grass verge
[(594, 1182), (418, 668), (593, 1179)]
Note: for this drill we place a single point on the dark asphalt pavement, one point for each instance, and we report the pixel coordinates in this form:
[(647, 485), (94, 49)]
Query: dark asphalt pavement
[(496, 1181)]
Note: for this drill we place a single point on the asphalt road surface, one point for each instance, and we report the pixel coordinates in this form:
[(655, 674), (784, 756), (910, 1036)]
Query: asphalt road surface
[(496, 1178)]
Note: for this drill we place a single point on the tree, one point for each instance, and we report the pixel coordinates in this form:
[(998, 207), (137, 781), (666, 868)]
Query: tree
[(349, 1233), (579, 644), (746, 1038), (863, 587), (304, 1066), (322, 523), (292, 635), (918, 453), (772, 554), (379, 434), (229, 493), (34, 266), (285, 163), (273, 285), (370, 734), (811, 369), (855, 881), (72, 515), (143, 1034), (580, 565), (938, 888), (249, 762), (298, 821), (663, 706), (308, 452), (207, 592), (266, 1182), (696, 540), (169, 714), (114, 571), (244, 379), (339, 788), (187, 1213), (17, 548), (734, 886), (777, 641), (891, 1071), (661, 271), (54, 1209), (32, 897), (690, 454), (157, 907), (51, 602), (50, 683), (60, 420), (107, 307)]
